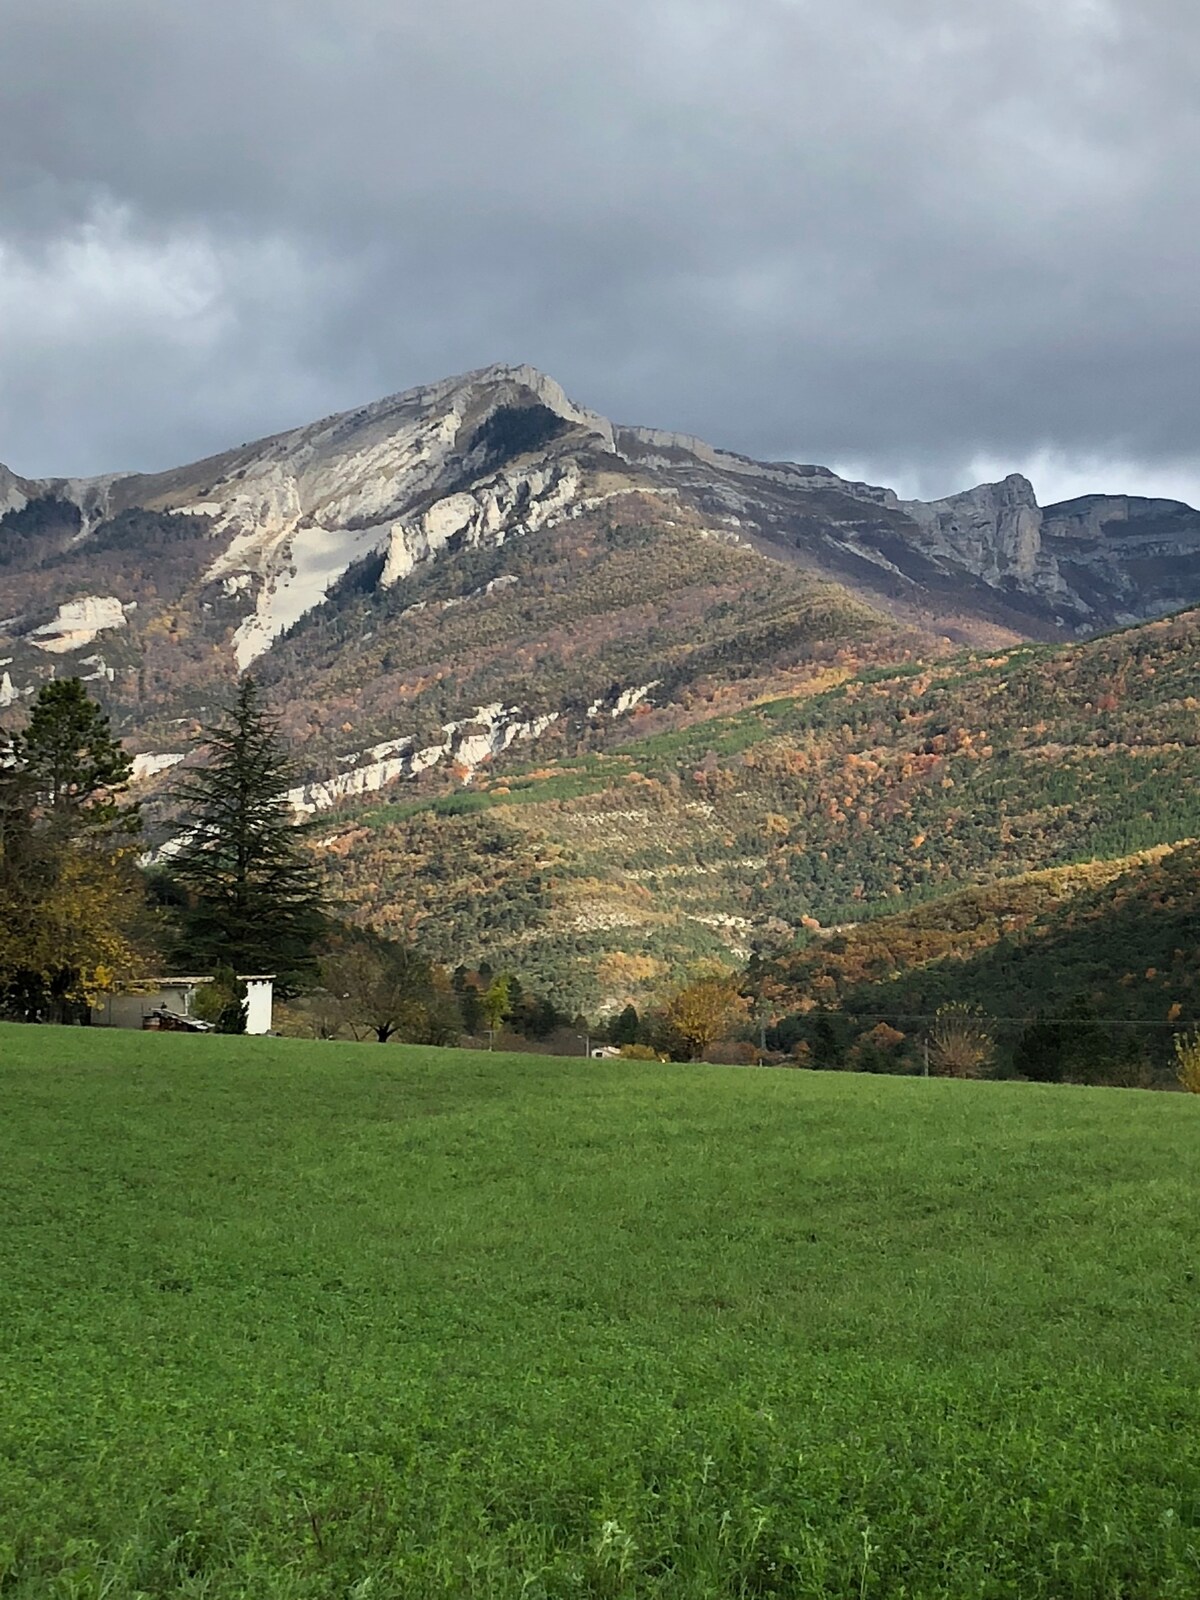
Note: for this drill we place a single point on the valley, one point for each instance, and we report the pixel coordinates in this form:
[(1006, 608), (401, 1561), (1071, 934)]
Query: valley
[(609, 704)]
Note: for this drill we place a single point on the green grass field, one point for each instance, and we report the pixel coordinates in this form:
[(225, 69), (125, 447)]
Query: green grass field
[(314, 1320)]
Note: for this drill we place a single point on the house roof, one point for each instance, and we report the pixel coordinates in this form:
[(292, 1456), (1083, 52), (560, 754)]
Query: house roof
[(181, 978)]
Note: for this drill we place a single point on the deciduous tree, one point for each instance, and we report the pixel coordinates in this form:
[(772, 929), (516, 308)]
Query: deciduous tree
[(704, 1011), (497, 1005), (960, 1042), (70, 893), (380, 986)]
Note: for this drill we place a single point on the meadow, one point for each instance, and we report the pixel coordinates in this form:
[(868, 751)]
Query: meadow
[(310, 1321)]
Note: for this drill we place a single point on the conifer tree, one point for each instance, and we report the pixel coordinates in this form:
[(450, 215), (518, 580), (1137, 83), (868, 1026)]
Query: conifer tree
[(252, 896), (73, 762)]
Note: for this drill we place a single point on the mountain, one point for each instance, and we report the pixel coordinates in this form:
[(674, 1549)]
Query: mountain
[(634, 701), (331, 558)]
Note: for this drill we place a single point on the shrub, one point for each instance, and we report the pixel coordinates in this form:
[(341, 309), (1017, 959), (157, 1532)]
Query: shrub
[(222, 1002), (880, 1049), (960, 1042), (732, 1053), (1187, 1060)]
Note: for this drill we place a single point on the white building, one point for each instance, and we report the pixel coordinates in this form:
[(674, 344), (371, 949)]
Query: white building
[(157, 1002)]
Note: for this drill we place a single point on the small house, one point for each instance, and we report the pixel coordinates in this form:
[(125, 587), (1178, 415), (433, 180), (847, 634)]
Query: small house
[(168, 1003)]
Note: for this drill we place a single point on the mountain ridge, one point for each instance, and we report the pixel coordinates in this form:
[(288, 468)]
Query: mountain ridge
[(330, 558), (344, 473)]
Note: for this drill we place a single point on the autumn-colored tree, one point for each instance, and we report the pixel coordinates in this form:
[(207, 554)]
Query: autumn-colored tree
[(66, 929), (960, 1042), (704, 1011), (70, 893), (879, 1049), (1187, 1060), (497, 1004)]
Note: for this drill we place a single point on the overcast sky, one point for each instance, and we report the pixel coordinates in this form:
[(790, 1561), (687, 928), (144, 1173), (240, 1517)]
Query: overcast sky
[(928, 241)]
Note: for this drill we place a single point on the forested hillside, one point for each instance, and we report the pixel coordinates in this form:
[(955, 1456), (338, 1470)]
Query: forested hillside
[(620, 601), (1101, 958), (826, 806)]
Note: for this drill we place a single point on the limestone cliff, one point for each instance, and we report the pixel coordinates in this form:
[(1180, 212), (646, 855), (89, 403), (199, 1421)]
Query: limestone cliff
[(374, 560), (993, 532)]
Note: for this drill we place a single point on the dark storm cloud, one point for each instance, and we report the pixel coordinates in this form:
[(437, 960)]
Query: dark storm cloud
[(917, 236)]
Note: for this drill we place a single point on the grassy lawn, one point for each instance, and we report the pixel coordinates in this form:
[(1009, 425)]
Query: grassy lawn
[(312, 1320)]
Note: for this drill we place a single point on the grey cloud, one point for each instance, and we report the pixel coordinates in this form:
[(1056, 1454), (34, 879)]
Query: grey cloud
[(909, 233)]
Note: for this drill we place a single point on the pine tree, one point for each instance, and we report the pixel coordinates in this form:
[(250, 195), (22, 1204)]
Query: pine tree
[(626, 1028), (74, 764), (252, 896)]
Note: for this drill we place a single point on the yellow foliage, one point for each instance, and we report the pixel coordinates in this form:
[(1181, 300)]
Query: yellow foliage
[(619, 969), (705, 1011), (1187, 1060), (77, 922)]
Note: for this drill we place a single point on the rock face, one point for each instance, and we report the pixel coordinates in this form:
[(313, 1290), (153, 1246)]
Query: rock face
[(79, 622), (1125, 559), (994, 531), (209, 568), (486, 734), (512, 502), (478, 460), (14, 492)]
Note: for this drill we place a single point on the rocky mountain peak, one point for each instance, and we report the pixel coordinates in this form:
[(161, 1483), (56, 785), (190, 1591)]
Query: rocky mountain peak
[(14, 491), (993, 531), (403, 476), (393, 493)]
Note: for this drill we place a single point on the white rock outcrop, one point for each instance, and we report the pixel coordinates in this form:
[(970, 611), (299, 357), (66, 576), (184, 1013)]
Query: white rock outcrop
[(79, 622), (486, 734), (492, 512), (149, 766), (622, 703), (297, 511)]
